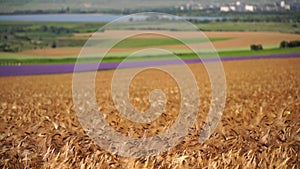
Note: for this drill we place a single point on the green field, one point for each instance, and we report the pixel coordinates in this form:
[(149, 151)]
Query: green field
[(286, 27), (19, 36), (261, 52), (148, 42)]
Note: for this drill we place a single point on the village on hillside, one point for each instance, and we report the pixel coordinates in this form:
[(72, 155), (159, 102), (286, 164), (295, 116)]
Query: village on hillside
[(239, 6)]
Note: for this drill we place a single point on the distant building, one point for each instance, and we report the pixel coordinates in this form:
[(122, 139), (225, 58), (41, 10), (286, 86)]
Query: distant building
[(250, 8), (197, 7), (181, 8), (239, 6), (232, 8), (224, 9), (212, 6), (282, 4), (271, 8), (287, 7)]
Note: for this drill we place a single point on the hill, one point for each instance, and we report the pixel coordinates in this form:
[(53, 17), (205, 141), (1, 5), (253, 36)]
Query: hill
[(8, 6)]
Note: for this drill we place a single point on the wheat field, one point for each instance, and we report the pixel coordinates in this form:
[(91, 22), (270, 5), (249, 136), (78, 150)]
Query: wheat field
[(260, 126)]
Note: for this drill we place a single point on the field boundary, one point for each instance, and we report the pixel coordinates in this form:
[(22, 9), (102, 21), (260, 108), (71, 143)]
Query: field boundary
[(21, 70)]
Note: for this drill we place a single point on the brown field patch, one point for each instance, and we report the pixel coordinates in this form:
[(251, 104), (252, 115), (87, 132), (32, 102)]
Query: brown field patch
[(52, 52), (238, 40), (245, 39), (259, 127)]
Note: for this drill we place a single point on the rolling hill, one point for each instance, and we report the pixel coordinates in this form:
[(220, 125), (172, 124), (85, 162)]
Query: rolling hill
[(7, 6)]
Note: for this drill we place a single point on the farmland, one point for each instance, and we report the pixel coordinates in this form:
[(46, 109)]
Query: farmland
[(226, 43), (20, 36), (15, 59), (250, 26), (259, 127)]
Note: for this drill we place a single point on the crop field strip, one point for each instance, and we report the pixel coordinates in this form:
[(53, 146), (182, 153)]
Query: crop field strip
[(91, 64), (259, 127)]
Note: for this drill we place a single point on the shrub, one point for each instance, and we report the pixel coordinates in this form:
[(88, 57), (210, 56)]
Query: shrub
[(294, 44), (284, 44), (53, 44), (7, 47), (291, 44), (256, 47)]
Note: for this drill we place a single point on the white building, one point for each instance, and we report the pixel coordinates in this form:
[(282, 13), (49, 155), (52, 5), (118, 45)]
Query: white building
[(181, 8), (282, 4), (224, 9), (250, 8), (232, 8), (197, 7), (287, 7)]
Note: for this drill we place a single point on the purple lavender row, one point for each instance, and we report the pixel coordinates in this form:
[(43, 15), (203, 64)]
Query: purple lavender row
[(20, 70)]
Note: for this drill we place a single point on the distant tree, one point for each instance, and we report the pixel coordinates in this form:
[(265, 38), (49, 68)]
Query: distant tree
[(53, 44), (68, 9), (295, 26), (284, 44), (294, 44), (44, 28), (7, 47), (256, 47), (5, 37), (291, 44)]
